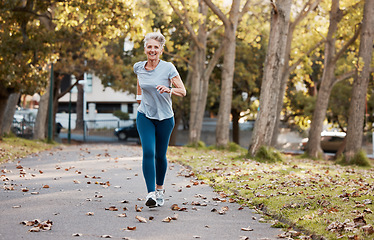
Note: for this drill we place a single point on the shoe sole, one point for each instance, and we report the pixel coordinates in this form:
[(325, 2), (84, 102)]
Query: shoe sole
[(151, 203)]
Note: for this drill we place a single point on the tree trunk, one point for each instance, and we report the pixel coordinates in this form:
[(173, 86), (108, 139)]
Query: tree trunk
[(235, 126), (360, 84), (310, 6), (327, 82), (3, 102), (41, 117), (79, 124), (174, 133), (267, 115), (196, 116), (9, 112)]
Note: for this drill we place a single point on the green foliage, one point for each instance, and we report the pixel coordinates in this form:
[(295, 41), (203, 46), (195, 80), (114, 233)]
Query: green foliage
[(268, 154), (359, 159), (233, 147), (198, 145), (121, 115)]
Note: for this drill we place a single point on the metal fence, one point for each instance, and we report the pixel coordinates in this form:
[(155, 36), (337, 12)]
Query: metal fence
[(23, 128)]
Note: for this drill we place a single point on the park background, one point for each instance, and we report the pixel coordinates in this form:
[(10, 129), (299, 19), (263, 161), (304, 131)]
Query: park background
[(304, 66)]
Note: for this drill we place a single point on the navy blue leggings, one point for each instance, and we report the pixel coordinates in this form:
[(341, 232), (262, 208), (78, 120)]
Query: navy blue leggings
[(154, 136)]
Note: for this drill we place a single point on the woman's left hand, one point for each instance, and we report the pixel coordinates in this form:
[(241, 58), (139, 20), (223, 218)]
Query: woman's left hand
[(163, 89)]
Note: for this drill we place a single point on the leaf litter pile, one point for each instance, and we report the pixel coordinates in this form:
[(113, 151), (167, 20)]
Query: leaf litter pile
[(319, 198)]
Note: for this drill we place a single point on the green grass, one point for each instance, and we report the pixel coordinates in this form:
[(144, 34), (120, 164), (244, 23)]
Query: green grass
[(12, 148), (303, 193)]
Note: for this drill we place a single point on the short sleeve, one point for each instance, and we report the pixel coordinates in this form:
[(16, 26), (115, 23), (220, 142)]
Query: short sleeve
[(172, 71), (137, 66)]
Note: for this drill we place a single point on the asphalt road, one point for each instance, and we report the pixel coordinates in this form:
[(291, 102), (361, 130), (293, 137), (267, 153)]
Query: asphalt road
[(82, 190)]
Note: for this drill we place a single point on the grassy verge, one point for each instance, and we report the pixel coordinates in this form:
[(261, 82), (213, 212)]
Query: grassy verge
[(12, 148), (318, 197)]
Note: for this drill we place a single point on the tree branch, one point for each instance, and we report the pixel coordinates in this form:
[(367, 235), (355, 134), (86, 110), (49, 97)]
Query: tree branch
[(244, 10), (177, 56), (345, 76), (213, 62), (345, 47), (294, 65), (186, 23), (304, 12), (218, 12), (274, 6)]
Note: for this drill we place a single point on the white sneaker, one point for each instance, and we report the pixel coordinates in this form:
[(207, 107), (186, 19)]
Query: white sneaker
[(160, 197), (151, 200)]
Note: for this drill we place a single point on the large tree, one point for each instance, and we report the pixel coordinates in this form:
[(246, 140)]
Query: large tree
[(289, 66), (360, 84), (267, 115), (201, 67), (331, 56), (24, 48), (230, 23)]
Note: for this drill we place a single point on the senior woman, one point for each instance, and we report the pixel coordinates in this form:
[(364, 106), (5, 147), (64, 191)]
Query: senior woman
[(158, 80)]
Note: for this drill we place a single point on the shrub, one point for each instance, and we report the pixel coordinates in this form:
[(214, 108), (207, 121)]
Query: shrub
[(121, 115), (268, 154), (359, 159)]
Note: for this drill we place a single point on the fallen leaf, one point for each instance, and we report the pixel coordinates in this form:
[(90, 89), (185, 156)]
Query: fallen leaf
[(122, 215), (167, 219), (138, 209), (247, 229), (46, 186), (34, 229), (223, 210), (131, 228), (106, 236), (141, 219), (368, 229), (77, 234), (90, 214), (112, 208), (175, 207)]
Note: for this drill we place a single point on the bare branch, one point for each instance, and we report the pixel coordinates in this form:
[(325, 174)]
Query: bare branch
[(350, 42), (218, 12), (274, 6), (345, 76), (308, 7), (186, 23), (213, 62), (244, 10), (177, 56)]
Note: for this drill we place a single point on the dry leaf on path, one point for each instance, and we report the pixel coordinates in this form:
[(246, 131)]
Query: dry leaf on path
[(112, 208), (141, 219), (247, 229), (138, 209), (167, 219)]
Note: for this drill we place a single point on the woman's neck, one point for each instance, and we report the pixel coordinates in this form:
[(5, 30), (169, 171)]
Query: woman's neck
[(151, 64)]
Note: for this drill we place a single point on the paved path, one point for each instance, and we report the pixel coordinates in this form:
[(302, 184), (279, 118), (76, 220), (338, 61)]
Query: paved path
[(66, 184)]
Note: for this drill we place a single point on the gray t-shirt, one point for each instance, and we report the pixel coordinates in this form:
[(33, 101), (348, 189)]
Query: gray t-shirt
[(153, 104)]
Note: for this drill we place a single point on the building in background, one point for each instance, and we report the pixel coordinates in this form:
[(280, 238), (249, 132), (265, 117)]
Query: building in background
[(99, 102)]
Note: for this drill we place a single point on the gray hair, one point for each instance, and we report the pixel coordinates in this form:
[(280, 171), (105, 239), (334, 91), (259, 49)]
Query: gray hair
[(155, 36)]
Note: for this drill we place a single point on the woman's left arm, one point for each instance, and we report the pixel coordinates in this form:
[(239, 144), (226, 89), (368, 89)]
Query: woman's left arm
[(178, 89)]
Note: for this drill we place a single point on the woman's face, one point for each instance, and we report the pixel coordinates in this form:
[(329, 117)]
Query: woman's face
[(153, 50)]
